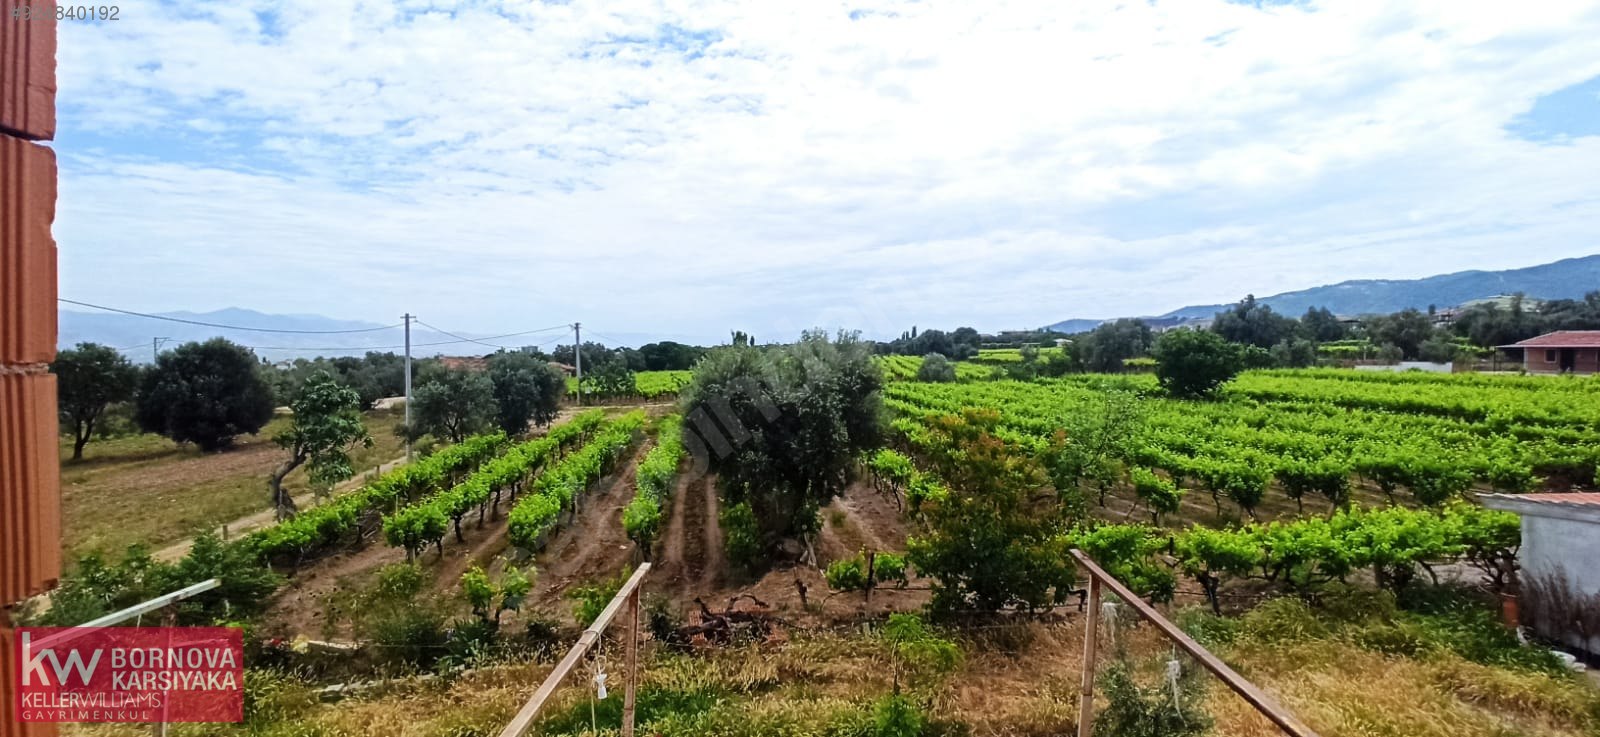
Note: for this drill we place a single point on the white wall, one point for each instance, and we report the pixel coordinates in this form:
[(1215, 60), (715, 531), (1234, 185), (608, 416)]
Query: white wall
[(1558, 539)]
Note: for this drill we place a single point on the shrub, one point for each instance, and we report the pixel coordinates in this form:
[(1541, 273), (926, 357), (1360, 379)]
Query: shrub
[(897, 716), (1133, 711), (741, 536)]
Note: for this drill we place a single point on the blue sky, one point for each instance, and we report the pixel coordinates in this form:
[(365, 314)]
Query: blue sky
[(684, 168)]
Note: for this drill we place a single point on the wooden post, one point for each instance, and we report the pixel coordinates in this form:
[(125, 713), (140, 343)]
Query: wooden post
[(1091, 628), (632, 649)]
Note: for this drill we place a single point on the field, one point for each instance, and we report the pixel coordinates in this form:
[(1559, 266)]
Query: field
[(647, 385), (575, 506), (1432, 436), (146, 489)]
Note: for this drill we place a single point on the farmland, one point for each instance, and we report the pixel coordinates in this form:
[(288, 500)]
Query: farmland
[(478, 561)]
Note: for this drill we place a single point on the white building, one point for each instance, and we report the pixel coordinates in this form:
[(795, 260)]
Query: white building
[(1559, 596)]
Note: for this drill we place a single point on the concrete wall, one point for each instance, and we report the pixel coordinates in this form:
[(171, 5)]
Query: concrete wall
[(1548, 360), (1432, 368), (1559, 543), (30, 497)]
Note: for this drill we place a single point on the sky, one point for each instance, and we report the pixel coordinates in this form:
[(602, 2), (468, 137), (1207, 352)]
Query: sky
[(687, 167)]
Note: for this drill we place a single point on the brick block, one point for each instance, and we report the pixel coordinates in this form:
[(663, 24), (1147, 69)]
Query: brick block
[(27, 251), (9, 726), (28, 75), (30, 486)]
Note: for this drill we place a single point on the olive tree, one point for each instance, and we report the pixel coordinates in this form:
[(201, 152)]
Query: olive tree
[(326, 426), (204, 393), (935, 367), (452, 404), (90, 378), (525, 388), (782, 427), (1194, 363)]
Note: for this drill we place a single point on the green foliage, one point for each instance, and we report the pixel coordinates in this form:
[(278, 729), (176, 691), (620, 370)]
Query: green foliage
[(849, 574), (452, 403), (921, 657), (414, 527), (1251, 323), (406, 625), (526, 389), (561, 484), (325, 426), (991, 541), (641, 518), (936, 367), (1159, 495), (897, 716), (89, 379), (1195, 363), (797, 418), (1105, 348), (488, 599), (741, 535), (204, 393), (319, 527), (97, 587), (590, 599), (1136, 711)]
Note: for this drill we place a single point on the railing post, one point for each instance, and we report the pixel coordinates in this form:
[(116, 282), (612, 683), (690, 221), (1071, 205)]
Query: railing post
[(1091, 628), (632, 649)]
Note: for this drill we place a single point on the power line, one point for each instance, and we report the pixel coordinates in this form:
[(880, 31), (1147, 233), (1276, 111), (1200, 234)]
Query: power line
[(224, 327), (482, 341)]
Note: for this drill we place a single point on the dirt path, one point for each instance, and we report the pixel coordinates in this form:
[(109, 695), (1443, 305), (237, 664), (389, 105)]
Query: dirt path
[(266, 517), (691, 561), (592, 546)]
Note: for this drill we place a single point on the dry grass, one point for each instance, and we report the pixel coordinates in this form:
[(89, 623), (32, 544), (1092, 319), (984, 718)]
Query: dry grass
[(146, 489), (1018, 682)]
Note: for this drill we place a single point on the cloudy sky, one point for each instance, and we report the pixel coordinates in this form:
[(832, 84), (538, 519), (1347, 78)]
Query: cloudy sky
[(682, 168)]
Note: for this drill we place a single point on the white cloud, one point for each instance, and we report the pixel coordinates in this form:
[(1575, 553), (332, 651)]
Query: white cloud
[(685, 167)]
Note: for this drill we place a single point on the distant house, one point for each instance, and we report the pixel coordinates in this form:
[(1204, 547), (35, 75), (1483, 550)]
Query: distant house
[(565, 368), (1560, 352), (1559, 583)]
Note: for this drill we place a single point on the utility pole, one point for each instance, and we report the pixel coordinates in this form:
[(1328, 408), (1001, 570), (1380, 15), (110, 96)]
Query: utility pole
[(407, 317), (577, 357)]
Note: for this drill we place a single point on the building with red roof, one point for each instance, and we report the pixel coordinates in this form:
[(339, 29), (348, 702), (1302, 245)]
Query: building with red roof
[(1560, 352)]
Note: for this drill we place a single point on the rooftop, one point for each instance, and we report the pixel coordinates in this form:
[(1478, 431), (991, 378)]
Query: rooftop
[(1579, 506), (1562, 339)]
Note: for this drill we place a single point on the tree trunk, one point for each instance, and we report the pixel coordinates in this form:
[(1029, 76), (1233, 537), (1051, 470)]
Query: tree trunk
[(281, 500), (77, 446)]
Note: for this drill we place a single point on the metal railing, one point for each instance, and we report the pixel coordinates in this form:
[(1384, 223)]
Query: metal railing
[(1098, 578), (627, 595)]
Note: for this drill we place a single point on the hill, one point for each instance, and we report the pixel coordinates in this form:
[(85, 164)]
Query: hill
[(1566, 279)]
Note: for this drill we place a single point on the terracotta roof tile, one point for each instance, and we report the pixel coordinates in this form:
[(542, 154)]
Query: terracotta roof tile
[(1562, 339)]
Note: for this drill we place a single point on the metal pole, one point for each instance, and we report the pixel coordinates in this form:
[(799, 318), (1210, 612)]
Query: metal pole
[(408, 385), (632, 648), (1091, 628), (577, 357)]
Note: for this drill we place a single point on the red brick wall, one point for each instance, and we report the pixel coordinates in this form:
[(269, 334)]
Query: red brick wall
[(30, 495), (1587, 360)]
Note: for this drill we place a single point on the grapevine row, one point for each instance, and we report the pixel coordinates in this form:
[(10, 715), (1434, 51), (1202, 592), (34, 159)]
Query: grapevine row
[(321, 526), (415, 526), (641, 519), (536, 514)]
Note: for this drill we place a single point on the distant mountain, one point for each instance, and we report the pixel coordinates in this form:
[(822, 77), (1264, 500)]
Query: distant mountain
[(135, 335), (1566, 279)]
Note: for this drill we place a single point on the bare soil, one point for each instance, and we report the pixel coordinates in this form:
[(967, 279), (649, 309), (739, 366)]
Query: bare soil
[(591, 546)]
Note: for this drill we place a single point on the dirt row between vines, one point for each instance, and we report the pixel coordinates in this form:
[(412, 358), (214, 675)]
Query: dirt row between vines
[(587, 546)]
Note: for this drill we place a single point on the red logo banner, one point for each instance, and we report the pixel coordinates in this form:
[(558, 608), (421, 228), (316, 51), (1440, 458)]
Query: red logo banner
[(129, 674)]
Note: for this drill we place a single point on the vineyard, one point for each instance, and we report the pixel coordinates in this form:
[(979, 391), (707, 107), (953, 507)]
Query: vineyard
[(1307, 432)]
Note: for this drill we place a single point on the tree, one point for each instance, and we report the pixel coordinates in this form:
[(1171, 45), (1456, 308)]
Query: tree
[(1294, 353), (1253, 323), (525, 389), (326, 425), (1438, 349), (1194, 363), (991, 542), (89, 379), (782, 427), (935, 367), (1319, 325), (1406, 329), (670, 356), (452, 403), (1106, 347), (204, 393), (609, 377)]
